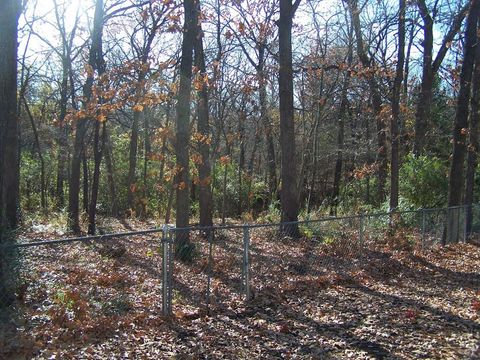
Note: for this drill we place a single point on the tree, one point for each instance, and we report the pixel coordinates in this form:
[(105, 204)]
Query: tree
[(95, 59), (67, 56), (9, 133), (341, 126), (203, 127), (255, 29), (98, 121), (472, 148), (368, 62), (430, 68), (182, 139), (395, 117), (290, 202), (151, 20), (460, 129)]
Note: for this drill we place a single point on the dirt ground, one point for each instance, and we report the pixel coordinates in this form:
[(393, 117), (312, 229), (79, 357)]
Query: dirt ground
[(309, 301)]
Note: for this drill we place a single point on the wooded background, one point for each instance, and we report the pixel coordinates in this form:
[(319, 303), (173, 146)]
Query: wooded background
[(198, 110)]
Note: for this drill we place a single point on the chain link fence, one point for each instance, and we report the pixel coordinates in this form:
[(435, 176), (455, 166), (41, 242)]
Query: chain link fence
[(215, 268), (199, 270), (79, 288)]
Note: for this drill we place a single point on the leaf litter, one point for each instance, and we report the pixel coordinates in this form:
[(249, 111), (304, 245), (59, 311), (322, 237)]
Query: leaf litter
[(309, 301)]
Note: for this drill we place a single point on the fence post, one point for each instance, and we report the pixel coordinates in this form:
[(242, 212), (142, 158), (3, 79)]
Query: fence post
[(424, 222), (165, 271), (360, 232), (466, 210), (246, 260)]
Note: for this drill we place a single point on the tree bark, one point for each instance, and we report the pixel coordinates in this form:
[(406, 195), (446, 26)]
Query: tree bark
[(424, 101), (341, 133), (146, 156), (9, 134), (367, 62), (456, 179), (289, 192), (241, 156), (472, 154), (86, 180), (395, 118), (9, 130), (98, 148), (271, 161), (74, 183), (203, 128), (66, 59), (62, 136), (429, 70), (43, 192), (183, 128), (109, 162)]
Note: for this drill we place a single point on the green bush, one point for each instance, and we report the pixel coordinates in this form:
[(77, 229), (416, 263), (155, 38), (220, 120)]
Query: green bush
[(424, 181)]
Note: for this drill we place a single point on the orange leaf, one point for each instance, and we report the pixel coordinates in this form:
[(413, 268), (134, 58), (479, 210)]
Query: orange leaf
[(137, 108), (224, 160), (182, 185)]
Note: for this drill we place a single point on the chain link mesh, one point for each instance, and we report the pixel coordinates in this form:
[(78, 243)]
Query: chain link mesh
[(50, 287), (59, 290)]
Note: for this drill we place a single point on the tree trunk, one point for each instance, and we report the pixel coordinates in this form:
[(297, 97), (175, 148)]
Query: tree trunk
[(183, 130), (376, 102), (395, 118), (425, 98), (97, 156), (411, 38), (203, 127), (86, 178), (9, 133), (341, 135), (224, 192), (168, 211), (456, 180), (43, 192), (241, 157), (9, 130), (429, 69), (62, 135), (74, 183), (98, 145), (472, 154), (146, 155), (110, 173), (314, 139), (289, 193), (262, 80), (133, 160)]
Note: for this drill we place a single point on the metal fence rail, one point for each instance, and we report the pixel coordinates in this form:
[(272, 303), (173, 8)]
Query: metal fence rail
[(198, 270)]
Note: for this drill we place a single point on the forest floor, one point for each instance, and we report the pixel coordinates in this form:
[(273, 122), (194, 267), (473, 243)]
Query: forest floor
[(310, 301)]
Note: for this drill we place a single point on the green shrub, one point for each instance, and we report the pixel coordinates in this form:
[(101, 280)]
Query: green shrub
[(424, 181)]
